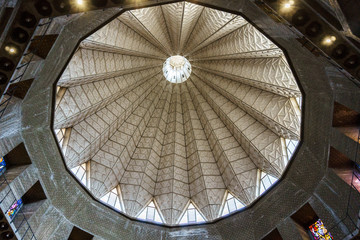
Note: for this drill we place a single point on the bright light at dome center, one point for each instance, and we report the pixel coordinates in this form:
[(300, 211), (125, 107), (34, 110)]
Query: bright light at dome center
[(177, 69)]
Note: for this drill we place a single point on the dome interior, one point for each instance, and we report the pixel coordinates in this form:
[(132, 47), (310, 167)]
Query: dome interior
[(180, 153)]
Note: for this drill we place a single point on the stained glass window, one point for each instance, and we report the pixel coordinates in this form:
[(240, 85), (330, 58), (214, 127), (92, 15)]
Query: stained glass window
[(231, 204), (151, 213), (14, 208), (2, 165), (113, 199), (266, 180), (319, 232), (192, 215), (80, 173)]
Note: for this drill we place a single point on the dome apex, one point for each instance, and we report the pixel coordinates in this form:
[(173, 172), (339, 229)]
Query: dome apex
[(177, 69)]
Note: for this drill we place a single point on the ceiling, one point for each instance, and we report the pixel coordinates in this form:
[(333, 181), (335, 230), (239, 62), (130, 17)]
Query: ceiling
[(173, 143)]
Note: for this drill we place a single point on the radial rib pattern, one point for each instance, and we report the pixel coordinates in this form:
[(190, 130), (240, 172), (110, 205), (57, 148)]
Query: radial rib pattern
[(212, 25), (261, 144), (150, 22), (123, 144), (190, 18), (172, 188), (178, 143), (244, 42), (82, 101), (271, 74), (130, 41), (275, 111)]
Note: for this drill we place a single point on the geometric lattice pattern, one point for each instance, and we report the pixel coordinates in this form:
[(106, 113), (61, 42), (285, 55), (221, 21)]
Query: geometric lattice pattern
[(151, 148)]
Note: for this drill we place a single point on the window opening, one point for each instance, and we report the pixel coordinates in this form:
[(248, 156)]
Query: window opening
[(176, 69), (2, 165), (319, 232), (290, 147), (80, 173), (299, 102), (60, 92), (231, 204), (151, 213), (192, 215), (266, 180), (14, 209), (63, 136), (113, 199)]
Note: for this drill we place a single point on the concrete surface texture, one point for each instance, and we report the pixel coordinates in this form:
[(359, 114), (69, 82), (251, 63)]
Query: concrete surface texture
[(172, 143), (306, 180)]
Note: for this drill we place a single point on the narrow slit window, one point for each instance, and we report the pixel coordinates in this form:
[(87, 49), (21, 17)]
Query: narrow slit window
[(299, 101), (2, 165)]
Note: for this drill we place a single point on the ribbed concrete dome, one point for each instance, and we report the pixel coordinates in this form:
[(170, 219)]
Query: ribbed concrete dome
[(127, 131)]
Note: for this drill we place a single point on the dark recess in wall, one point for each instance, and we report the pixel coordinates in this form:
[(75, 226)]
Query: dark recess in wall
[(5, 18), (273, 235), (344, 116), (17, 157), (350, 8), (328, 16), (41, 45), (344, 167), (34, 194), (21, 88), (78, 234), (303, 218)]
